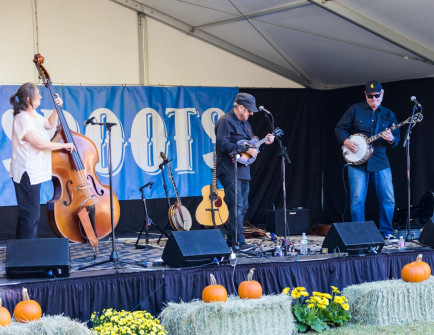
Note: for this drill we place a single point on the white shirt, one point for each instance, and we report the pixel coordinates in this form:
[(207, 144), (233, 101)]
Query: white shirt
[(25, 157)]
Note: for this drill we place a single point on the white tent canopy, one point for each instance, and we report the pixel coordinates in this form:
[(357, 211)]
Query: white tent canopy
[(320, 44)]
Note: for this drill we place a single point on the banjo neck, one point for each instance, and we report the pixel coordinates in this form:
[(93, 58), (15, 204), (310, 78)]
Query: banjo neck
[(162, 155), (377, 136)]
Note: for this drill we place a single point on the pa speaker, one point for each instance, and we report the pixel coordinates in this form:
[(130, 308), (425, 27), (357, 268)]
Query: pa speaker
[(355, 238), (298, 221), (427, 235), (42, 257), (195, 247)]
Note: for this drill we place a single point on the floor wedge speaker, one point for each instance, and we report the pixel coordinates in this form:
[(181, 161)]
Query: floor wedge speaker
[(42, 257), (355, 238), (427, 235), (195, 247)]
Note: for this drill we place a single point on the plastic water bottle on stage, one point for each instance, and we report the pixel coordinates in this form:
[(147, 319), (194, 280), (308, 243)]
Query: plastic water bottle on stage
[(278, 251), (401, 243), (303, 244)]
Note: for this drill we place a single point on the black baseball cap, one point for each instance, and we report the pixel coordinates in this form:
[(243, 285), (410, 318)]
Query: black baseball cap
[(373, 86)]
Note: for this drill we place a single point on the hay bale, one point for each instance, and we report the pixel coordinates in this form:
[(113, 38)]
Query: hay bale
[(391, 302), (47, 325), (265, 316)]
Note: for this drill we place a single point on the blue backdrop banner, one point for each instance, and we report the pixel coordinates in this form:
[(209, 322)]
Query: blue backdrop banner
[(178, 121)]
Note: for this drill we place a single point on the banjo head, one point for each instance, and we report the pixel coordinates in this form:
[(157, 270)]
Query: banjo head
[(176, 220), (363, 153)]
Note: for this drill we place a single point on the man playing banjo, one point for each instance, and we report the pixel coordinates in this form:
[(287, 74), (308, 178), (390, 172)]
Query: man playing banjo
[(363, 120)]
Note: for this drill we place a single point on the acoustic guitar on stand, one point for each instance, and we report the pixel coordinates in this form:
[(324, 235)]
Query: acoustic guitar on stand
[(364, 143), (212, 211), (179, 216), (255, 143)]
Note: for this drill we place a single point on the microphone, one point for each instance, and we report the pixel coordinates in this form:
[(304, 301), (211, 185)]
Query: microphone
[(91, 121), (413, 98), (262, 109)]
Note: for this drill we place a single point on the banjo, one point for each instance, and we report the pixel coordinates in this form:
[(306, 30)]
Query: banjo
[(179, 216), (364, 143)]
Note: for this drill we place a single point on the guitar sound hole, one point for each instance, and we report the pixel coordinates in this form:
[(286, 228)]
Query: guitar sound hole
[(218, 202)]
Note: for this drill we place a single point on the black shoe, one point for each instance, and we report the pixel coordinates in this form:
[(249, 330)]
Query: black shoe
[(246, 247)]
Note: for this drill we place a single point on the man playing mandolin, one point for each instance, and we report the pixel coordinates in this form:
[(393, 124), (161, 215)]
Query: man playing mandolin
[(230, 129), (370, 118)]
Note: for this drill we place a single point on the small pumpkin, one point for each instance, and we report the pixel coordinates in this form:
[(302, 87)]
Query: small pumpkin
[(27, 310), (214, 292), (250, 289), (416, 271), (5, 316)]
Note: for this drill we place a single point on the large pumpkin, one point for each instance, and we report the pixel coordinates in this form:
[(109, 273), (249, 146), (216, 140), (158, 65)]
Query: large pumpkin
[(250, 289), (5, 316), (27, 310), (214, 292), (416, 271)]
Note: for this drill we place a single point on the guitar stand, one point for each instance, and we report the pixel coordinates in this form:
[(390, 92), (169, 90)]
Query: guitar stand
[(147, 221), (163, 231)]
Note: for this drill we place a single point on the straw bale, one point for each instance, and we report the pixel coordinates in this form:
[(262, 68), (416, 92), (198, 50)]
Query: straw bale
[(47, 325), (391, 302), (268, 315)]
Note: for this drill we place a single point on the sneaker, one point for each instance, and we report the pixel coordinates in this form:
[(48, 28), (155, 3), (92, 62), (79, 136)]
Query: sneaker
[(390, 238), (246, 247)]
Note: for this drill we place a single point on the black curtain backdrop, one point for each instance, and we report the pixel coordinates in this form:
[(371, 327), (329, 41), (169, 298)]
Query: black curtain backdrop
[(314, 179)]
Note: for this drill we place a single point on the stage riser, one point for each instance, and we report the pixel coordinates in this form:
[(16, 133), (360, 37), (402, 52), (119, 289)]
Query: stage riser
[(79, 297)]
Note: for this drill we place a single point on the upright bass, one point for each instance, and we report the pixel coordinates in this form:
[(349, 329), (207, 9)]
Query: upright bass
[(80, 207)]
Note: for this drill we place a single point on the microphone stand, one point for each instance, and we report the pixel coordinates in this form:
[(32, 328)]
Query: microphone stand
[(284, 157), (409, 237), (114, 254), (235, 155)]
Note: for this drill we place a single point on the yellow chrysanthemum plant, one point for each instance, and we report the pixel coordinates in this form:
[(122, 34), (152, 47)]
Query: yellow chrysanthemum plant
[(111, 322), (319, 311)]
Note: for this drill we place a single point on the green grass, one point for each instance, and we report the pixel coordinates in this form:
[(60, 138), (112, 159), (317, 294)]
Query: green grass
[(420, 328)]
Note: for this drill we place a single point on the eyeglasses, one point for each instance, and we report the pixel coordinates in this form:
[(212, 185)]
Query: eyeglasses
[(372, 96)]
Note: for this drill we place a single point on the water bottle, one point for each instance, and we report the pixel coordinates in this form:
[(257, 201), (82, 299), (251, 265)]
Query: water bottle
[(278, 251), (303, 244), (401, 243)]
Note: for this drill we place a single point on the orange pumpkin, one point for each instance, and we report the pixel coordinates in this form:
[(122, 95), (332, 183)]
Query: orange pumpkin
[(250, 289), (5, 316), (214, 292), (27, 310), (416, 271)]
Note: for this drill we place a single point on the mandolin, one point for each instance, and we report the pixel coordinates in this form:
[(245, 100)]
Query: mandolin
[(179, 216), (255, 143), (212, 211)]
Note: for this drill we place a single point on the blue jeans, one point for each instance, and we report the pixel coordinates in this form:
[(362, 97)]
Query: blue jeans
[(29, 208), (382, 181), (243, 188)]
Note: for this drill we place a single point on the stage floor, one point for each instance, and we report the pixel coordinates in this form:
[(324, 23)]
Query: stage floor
[(147, 257)]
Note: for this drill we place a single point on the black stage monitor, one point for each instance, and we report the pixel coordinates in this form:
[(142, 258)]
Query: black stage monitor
[(355, 238), (195, 247), (42, 257)]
